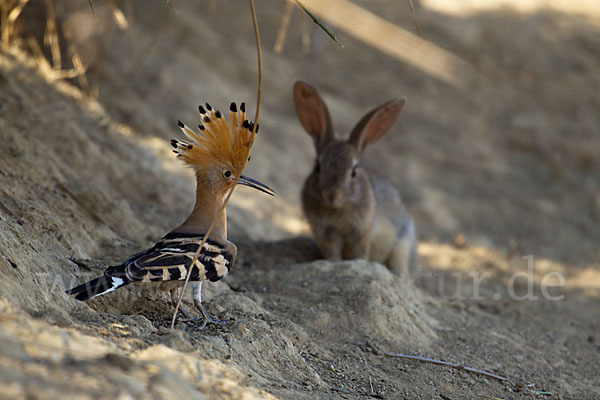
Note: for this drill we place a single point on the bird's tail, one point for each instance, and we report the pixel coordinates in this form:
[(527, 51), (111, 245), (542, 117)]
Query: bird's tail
[(113, 278)]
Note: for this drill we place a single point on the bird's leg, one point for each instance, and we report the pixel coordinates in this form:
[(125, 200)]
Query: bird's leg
[(175, 298), (197, 296)]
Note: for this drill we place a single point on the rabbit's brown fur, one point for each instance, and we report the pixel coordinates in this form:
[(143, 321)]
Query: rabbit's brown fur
[(354, 212)]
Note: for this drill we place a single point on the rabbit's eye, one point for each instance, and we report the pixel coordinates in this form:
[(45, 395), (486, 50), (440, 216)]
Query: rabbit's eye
[(354, 171)]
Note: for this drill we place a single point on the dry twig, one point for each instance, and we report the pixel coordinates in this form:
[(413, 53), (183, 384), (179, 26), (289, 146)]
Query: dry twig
[(447, 363), (318, 21), (10, 14), (51, 36)]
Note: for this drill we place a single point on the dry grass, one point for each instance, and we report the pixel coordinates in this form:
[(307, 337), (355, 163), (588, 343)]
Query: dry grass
[(49, 50)]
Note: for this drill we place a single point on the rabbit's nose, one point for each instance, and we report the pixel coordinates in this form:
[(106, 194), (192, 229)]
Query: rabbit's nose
[(332, 197)]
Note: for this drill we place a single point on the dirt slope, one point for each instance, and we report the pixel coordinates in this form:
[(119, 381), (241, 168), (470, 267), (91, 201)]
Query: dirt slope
[(510, 161)]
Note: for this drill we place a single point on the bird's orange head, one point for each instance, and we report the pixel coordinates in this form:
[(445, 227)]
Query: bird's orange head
[(218, 150)]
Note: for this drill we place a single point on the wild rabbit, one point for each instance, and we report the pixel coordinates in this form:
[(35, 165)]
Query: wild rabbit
[(354, 211)]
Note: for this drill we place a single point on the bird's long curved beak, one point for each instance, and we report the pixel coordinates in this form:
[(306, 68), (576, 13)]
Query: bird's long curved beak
[(253, 183)]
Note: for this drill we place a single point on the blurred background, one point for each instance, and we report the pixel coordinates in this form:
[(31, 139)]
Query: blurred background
[(499, 142)]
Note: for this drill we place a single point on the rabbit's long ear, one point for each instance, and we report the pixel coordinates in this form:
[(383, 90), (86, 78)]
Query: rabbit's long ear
[(312, 113), (375, 124)]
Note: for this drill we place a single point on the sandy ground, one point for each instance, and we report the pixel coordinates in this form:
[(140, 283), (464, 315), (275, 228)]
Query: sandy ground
[(499, 167)]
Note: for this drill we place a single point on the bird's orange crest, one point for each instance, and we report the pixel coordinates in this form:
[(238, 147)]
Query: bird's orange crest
[(217, 141)]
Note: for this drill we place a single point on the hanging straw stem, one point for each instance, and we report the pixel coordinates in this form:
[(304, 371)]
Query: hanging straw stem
[(414, 16), (283, 27), (248, 150)]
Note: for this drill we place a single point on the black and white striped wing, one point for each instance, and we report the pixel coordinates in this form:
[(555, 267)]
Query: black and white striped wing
[(170, 259)]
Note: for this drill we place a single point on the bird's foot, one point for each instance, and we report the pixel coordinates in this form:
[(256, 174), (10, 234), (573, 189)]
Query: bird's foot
[(188, 316), (201, 321), (207, 317)]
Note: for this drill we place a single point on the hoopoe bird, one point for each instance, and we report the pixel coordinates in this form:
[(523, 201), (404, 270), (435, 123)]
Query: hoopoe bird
[(217, 154)]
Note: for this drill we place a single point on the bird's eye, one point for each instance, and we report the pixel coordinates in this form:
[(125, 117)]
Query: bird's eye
[(227, 174), (354, 171), (317, 166)]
